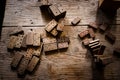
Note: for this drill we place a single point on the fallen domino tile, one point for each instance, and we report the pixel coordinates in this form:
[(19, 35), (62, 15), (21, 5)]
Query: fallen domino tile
[(33, 63), (12, 42), (75, 21), (16, 60), (52, 24)]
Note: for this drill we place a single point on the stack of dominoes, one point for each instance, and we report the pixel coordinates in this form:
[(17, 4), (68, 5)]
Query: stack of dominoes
[(94, 45), (45, 3)]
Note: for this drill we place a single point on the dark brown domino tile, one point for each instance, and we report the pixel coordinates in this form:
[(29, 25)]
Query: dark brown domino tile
[(75, 21), (16, 60), (33, 63)]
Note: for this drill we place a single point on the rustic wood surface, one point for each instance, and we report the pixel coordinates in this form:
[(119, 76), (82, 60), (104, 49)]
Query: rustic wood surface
[(75, 63)]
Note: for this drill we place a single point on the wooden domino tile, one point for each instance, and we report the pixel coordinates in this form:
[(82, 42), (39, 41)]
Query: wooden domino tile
[(23, 66), (93, 41), (44, 3), (75, 21), (50, 47), (36, 39), (103, 27), (91, 33), (49, 40), (54, 10), (110, 37), (93, 25), (62, 11), (63, 39), (60, 27), (29, 53), (106, 60), (52, 24), (93, 44), (38, 51), (63, 45), (29, 38), (101, 50), (33, 63), (86, 41), (24, 42), (83, 34), (19, 41), (16, 60), (12, 42), (54, 32)]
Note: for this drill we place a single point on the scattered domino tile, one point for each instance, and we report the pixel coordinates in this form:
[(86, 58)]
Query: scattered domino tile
[(75, 21), (29, 38), (104, 60), (62, 45), (86, 41), (83, 34), (91, 32), (54, 32), (33, 63), (12, 42), (38, 51), (23, 66), (29, 53), (49, 40), (24, 42), (52, 24), (62, 11), (63, 39), (19, 41), (45, 3), (103, 27), (50, 47), (102, 49), (60, 27), (93, 25), (36, 39), (16, 60)]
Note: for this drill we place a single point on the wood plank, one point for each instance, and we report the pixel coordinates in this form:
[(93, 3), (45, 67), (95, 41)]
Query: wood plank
[(19, 12)]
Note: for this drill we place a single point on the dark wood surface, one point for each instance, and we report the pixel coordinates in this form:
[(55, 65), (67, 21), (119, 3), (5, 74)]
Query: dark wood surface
[(76, 62)]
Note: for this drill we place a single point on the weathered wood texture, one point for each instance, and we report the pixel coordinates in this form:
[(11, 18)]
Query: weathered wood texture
[(19, 12), (73, 64)]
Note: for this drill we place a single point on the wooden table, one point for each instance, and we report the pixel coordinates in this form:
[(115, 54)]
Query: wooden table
[(73, 64)]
